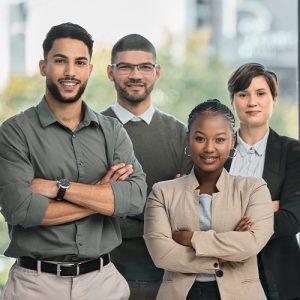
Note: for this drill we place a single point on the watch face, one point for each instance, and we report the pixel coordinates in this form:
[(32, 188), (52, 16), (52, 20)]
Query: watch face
[(64, 183)]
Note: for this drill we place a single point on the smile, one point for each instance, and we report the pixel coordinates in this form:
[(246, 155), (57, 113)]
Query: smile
[(209, 159)]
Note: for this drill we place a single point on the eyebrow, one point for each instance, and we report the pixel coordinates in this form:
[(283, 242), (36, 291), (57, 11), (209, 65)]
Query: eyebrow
[(221, 133), (64, 56)]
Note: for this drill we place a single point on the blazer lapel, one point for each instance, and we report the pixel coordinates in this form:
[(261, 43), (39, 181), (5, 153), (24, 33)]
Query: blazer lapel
[(271, 173)]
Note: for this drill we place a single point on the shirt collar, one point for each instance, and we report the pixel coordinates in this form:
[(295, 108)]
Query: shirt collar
[(259, 147), (125, 116), (47, 117)]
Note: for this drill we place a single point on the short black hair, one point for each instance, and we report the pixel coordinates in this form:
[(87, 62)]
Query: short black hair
[(67, 30), (211, 106), (241, 78), (132, 42)]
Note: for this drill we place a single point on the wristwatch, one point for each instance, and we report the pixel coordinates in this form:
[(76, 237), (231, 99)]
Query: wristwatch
[(63, 184)]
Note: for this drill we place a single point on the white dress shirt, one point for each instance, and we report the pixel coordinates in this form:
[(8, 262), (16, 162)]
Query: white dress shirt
[(125, 116), (249, 160)]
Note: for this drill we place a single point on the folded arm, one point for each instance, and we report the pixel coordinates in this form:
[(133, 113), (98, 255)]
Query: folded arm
[(165, 252), (238, 246)]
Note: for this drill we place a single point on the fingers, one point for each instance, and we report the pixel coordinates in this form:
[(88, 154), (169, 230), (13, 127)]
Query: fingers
[(244, 224), (275, 204), (118, 172)]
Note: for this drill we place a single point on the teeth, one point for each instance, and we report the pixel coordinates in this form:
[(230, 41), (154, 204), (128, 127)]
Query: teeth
[(209, 158), (69, 83)]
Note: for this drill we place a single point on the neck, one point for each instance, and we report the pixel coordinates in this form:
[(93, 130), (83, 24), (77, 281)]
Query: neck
[(135, 108), (69, 114), (252, 135), (207, 181)]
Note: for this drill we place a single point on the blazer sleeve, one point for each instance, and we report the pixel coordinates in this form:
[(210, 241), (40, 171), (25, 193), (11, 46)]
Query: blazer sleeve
[(238, 246), (287, 218), (165, 252)]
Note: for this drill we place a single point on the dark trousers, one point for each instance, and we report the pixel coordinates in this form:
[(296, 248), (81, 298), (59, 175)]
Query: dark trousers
[(143, 290), (204, 291)]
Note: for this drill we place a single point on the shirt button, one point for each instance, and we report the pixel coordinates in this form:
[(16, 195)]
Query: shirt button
[(74, 136), (216, 265), (80, 244), (219, 273)]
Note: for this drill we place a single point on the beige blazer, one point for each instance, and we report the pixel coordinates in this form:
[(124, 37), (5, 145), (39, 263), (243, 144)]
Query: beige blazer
[(174, 205)]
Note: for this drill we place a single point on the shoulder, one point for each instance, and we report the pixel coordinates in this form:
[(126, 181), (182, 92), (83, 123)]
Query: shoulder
[(107, 121), (242, 183), (290, 146), (108, 112), (172, 184), (19, 120), (168, 120)]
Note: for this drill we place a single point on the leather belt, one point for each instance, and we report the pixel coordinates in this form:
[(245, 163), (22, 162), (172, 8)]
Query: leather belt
[(64, 269)]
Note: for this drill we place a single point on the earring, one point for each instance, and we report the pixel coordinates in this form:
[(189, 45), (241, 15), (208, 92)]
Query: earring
[(233, 153), (186, 151)]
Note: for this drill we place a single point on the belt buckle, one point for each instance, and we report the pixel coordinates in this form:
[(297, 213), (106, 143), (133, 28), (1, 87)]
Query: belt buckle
[(59, 265)]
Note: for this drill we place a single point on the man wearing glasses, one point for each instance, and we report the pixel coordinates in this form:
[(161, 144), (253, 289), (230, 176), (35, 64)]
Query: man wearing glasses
[(158, 140)]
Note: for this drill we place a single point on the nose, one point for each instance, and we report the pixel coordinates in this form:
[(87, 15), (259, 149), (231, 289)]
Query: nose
[(209, 146), (135, 73), (252, 101), (69, 70)]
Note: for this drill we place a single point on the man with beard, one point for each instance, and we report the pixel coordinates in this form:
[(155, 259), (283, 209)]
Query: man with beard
[(67, 173), (158, 141)]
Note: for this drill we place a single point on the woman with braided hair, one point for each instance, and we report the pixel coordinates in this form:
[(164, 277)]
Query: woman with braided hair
[(261, 152), (206, 228)]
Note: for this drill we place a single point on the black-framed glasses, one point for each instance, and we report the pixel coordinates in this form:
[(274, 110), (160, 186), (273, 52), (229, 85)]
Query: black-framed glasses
[(126, 69)]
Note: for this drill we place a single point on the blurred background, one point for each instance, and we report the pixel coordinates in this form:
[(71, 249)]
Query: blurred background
[(199, 43)]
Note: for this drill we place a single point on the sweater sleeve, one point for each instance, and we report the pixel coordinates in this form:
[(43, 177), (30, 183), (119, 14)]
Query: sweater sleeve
[(130, 195)]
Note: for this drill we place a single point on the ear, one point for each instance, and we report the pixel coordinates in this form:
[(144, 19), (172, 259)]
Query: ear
[(42, 66), (233, 141), (275, 100), (110, 71), (187, 140), (157, 71), (91, 69)]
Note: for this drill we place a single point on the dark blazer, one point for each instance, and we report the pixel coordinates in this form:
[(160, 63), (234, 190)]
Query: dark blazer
[(280, 258)]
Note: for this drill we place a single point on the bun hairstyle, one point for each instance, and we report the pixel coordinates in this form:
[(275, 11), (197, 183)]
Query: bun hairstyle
[(213, 106)]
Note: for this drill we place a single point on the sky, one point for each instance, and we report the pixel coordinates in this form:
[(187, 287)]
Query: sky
[(106, 20)]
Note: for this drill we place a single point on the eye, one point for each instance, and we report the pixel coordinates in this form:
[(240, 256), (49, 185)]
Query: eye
[(200, 139), (220, 140), (261, 93), (81, 62), (124, 67), (59, 60), (146, 67), (242, 95)]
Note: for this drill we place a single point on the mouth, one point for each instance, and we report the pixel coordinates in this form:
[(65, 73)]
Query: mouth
[(209, 159), (253, 112), (69, 84)]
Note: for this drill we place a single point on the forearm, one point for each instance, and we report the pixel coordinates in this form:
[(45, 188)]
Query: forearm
[(98, 198), (61, 212)]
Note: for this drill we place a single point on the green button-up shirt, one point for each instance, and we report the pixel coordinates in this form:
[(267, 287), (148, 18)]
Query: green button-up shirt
[(34, 144)]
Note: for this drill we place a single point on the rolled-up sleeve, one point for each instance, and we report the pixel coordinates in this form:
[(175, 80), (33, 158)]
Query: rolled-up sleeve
[(130, 195), (19, 205)]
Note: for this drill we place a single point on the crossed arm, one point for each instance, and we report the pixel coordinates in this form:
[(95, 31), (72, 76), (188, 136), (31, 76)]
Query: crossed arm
[(98, 198)]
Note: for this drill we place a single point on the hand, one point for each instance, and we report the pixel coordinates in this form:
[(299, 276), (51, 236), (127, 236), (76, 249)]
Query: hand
[(244, 224), (183, 237), (46, 188), (275, 204), (118, 172)]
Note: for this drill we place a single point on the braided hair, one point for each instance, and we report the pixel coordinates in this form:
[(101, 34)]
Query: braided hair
[(211, 106)]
